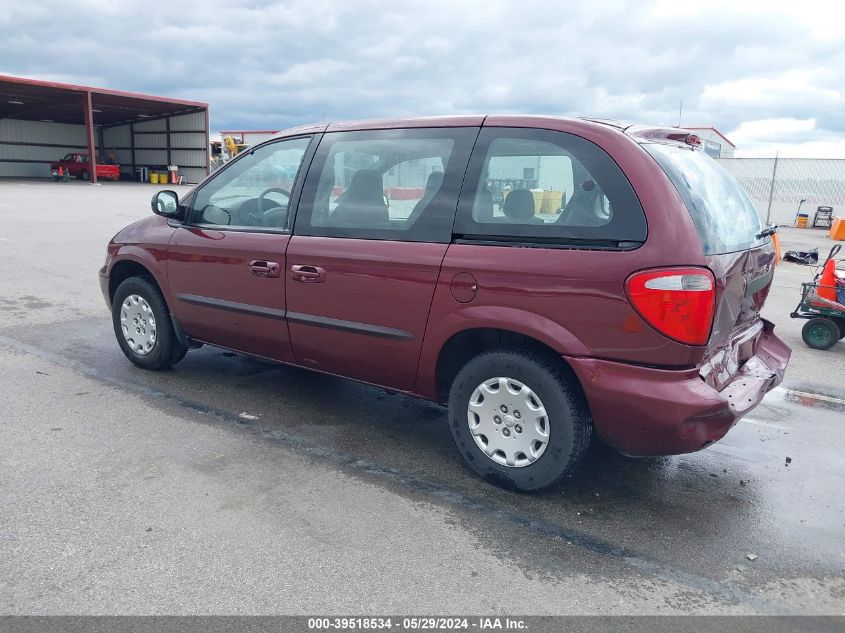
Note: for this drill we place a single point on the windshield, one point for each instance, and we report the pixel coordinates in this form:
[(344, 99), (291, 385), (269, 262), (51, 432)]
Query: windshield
[(723, 214)]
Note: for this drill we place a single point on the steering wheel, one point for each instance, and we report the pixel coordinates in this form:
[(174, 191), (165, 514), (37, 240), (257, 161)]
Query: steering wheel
[(261, 207)]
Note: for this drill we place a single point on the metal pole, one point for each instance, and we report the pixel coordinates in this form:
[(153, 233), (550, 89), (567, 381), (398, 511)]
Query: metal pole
[(207, 141), (169, 158), (132, 148), (89, 133), (772, 189)]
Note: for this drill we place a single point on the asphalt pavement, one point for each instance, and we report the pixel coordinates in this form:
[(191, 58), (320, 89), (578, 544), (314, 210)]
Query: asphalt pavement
[(231, 485)]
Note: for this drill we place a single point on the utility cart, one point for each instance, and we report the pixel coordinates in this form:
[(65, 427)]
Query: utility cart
[(823, 305)]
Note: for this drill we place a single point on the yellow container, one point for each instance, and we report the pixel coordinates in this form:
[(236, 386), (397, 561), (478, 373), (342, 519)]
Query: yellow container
[(153, 177), (552, 201), (538, 200), (802, 222)]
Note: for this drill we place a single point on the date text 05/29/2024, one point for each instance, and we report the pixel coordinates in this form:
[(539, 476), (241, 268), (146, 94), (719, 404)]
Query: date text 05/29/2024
[(415, 623)]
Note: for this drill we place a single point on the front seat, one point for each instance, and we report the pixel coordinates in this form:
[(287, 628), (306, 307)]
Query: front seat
[(482, 208), (322, 198), (362, 204), (519, 207), (432, 186), (585, 208)]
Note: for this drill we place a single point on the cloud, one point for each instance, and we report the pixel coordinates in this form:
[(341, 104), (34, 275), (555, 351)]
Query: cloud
[(794, 138), (265, 64), (773, 130)]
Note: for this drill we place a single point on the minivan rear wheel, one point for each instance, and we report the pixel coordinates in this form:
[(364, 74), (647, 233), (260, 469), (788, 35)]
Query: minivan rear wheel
[(142, 325), (518, 419)]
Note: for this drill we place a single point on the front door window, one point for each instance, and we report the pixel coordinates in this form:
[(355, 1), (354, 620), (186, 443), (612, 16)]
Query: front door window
[(254, 191)]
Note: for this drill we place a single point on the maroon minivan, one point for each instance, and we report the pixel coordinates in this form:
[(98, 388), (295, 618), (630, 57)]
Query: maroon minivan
[(547, 278)]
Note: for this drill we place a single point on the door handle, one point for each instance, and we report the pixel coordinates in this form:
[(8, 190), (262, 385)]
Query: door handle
[(262, 268), (307, 274)]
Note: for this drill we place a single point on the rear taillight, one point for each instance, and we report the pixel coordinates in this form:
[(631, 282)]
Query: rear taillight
[(677, 302)]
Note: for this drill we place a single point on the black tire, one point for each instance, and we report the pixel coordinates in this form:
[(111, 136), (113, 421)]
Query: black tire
[(569, 422), (840, 323), (820, 333), (84, 175), (166, 349), (179, 352)]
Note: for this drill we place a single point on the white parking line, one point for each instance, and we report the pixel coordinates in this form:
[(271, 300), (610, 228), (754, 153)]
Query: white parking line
[(766, 424)]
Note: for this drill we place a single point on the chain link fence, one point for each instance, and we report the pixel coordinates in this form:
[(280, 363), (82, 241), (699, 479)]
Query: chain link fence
[(777, 185)]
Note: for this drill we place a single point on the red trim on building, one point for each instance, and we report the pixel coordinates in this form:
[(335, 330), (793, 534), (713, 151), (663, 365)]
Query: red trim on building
[(224, 132), (25, 81)]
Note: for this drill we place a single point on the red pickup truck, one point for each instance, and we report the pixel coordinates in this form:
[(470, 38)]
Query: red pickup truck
[(78, 166)]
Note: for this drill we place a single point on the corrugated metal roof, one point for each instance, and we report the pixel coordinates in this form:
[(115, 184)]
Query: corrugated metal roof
[(36, 100)]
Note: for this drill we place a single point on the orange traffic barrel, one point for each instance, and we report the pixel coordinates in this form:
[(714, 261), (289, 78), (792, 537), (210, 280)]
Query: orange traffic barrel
[(837, 229)]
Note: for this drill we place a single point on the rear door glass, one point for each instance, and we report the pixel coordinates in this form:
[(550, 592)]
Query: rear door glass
[(724, 215), (399, 184), (546, 187)]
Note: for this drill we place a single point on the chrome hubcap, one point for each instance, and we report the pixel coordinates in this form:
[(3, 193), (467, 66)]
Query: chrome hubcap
[(508, 422), (138, 324)]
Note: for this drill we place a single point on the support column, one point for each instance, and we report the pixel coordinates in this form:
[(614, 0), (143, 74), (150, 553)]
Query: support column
[(169, 153), (89, 135), (207, 145), (132, 149)]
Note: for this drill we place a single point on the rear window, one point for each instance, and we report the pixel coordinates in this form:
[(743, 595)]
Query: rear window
[(535, 186), (723, 213)]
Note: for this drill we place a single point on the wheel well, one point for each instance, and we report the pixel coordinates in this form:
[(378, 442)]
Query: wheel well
[(465, 345), (124, 270)]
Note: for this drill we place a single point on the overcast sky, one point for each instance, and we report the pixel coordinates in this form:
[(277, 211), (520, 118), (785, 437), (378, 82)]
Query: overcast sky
[(769, 74)]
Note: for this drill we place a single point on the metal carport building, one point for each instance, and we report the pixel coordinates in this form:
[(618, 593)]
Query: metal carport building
[(41, 121)]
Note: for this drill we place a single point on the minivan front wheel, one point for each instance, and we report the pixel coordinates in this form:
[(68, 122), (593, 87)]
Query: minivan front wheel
[(518, 419), (142, 325)]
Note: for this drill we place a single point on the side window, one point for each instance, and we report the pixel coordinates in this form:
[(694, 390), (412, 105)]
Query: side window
[(253, 191), (386, 184), (546, 186)]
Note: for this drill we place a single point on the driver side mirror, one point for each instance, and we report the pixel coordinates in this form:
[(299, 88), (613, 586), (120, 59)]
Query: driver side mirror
[(166, 203)]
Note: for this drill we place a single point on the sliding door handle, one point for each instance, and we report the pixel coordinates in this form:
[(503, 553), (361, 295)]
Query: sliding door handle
[(262, 268), (307, 274)]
